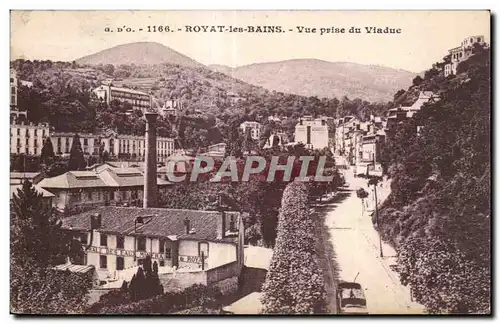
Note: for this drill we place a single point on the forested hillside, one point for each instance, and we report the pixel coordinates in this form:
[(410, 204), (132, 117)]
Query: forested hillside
[(439, 212), (61, 95)]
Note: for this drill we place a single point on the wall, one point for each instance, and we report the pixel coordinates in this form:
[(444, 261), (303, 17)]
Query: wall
[(223, 272), (182, 280), (35, 141), (218, 254)]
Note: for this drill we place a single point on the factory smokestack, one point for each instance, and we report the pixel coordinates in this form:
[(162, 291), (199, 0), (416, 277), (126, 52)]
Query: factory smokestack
[(150, 184)]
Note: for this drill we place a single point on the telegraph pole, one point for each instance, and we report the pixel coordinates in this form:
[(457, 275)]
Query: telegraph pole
[(376, 218)]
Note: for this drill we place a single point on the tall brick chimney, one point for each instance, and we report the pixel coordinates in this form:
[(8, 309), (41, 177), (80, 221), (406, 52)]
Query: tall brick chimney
[(150, 180)]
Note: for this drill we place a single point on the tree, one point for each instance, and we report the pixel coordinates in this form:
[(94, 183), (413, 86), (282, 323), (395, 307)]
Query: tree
[(76, 158), (109, 69), (145, 283), (37, 242), (47, 155), (417, 80)]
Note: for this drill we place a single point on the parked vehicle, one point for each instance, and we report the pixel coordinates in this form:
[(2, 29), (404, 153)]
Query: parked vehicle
[(351, 299)]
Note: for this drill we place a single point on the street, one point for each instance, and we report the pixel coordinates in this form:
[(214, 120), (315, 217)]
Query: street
[(357, 250)]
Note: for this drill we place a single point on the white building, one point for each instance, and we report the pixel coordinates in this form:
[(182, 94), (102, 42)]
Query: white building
[(27, 138), (122, 146), (137, 99), (15, 114), (313, 133), (255, 128), (171, 107), (462, 53), (118, 238)]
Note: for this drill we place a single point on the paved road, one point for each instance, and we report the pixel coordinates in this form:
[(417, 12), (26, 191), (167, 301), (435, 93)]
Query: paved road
[(357, 250)]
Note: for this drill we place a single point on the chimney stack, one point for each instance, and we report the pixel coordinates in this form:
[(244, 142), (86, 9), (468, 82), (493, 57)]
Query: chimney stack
[(221, 225), (187, 225), (150, 180)]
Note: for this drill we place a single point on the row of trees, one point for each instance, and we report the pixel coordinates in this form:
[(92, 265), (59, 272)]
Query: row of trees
[(439, 212), (294, 283)]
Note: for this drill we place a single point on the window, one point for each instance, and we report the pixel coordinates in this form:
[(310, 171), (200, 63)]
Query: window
[(103, 261), (168, 253), (89, 195), (162, 246), (120, 263), (35, 142), (27, 142), (104, 240), (85, 141), (36, 132), (141, 244), (162, 263), (43, 132), (18, 132), (84, 238), (203, 247), (27, 133), (12, 80), (120, 242)]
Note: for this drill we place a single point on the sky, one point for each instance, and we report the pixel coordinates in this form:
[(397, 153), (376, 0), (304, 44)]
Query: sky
[(424, 39)]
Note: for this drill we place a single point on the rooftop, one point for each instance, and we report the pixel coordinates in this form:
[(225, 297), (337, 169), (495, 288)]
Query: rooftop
[(104, 175), (74, 268), (164, 223), (14, 188)]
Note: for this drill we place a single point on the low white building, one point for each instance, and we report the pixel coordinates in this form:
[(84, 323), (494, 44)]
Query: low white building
[(119, 238), (76, 191)]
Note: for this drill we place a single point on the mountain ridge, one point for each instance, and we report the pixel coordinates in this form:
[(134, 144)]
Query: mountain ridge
[(149, 53), (305, 77), (320, 78)]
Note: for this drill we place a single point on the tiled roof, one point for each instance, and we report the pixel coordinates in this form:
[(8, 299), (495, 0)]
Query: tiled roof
[(14, 188), (164, 223), (102, 176), (74, 179)]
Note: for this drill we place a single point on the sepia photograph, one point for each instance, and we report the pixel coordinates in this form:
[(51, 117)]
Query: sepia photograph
[(250, 162)]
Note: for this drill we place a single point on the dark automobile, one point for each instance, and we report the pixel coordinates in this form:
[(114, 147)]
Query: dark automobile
[(351, 298)]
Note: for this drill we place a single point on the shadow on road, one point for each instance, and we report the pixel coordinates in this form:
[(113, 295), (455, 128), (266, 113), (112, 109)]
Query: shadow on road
[(325, 252)]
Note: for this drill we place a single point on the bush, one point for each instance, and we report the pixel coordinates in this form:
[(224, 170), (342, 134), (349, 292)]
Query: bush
[(194, 296), (294, 283)]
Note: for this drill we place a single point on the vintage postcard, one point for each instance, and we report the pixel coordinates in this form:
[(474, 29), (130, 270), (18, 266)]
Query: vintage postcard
[(250, 162)]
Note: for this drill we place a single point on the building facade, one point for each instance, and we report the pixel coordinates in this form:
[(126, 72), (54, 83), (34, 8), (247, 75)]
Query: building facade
[(137, 99), (76, 191), (122, 146), (313, 133), (120, 238), (461, 53), (171, 107), (255, 129), (16, 115), (27, 138)]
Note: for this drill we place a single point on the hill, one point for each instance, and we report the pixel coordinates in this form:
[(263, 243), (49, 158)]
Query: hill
[(311, 77), (139, 53)]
